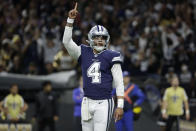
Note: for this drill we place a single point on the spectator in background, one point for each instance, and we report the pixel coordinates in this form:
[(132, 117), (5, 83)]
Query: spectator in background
[(2, 115), (169, 76), (142, 42), (117, 45), (125, 35), (185, 75), (193, 85), (32, 69), (30, 52), (17, 44), (134, 97), (63, 61), (50, 48), (14, 107), (181, 57), (2, 66), (46, 108), (171, 25), (48, 69), (16, 65), (78, 94), (169, 43), (1, 106), (173, 100), (153, 63), (127, 59), (5, 53), (141, 63), (185, 79)]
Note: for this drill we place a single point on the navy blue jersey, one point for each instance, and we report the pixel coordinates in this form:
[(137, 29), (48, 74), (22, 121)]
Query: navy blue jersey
[(96, 72)]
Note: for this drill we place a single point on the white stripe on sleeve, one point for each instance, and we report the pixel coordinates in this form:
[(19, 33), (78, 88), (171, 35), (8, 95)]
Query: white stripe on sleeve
[(116, 59)]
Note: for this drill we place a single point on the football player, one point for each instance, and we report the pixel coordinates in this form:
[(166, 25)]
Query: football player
[(100, 69)]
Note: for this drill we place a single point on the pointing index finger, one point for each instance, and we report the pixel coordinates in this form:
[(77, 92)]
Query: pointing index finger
[(76, 5)]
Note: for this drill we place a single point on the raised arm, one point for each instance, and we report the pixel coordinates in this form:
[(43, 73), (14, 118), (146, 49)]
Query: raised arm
[(73, 49)]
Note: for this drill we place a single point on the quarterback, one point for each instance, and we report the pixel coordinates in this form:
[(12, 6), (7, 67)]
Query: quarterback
[(101, 69)]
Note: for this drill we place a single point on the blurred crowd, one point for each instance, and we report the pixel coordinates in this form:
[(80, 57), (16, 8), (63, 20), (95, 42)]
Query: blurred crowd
[(155, 38)]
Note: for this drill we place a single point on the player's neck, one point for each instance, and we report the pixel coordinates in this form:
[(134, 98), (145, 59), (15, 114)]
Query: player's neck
[(13, 94), (95, 51), (175, 87)]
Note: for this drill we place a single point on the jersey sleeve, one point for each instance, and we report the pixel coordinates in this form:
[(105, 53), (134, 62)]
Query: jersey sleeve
[(116, 58), (21, 101), (165, 96), (185, 97), (5, 101)]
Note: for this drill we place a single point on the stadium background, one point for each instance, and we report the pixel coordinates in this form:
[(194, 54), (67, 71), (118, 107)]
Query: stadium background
[(156, 39)]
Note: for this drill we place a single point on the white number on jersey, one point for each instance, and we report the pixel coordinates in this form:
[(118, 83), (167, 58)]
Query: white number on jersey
[(94, 72)]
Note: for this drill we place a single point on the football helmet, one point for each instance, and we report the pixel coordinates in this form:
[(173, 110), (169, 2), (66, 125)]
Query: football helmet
[(98, 30)]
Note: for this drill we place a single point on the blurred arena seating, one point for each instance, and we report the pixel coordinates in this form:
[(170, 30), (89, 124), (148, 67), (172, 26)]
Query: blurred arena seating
[(156, 39)]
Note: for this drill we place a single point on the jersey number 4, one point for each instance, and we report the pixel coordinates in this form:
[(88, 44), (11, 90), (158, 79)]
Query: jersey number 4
[(94, 72)]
